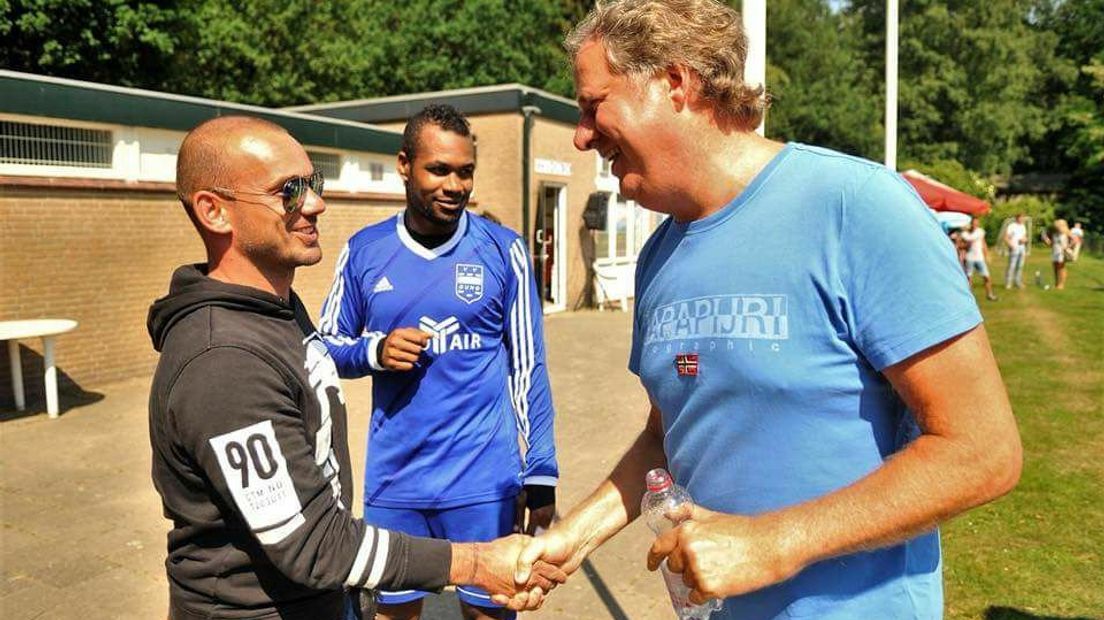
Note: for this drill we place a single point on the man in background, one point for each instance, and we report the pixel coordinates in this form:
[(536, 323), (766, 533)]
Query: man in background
[(1015, 239), (440, 307), (977, 256)]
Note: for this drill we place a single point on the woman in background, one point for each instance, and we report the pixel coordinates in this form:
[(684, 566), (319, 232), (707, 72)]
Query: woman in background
[(1059, 241)]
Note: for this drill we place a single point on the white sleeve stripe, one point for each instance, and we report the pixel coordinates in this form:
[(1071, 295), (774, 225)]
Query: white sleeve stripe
[(526, 316), (329, 321), (380, 561), (332, 307), (527, 354), (521, 328), (548, 481), (517, 262), (373, 344), (278, 534), (515, 352), (356, 573), (522, 332)]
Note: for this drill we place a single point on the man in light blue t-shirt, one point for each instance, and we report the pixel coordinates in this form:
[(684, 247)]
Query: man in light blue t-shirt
[(818, 374)]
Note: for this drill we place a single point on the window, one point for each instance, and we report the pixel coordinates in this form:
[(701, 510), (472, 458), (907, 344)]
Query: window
[(610, 243), (627, 229), (55, 145), (375, 169), (328, 163), (646, 223)]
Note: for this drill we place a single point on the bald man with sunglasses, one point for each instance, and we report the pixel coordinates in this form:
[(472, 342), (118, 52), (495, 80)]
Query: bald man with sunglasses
[(247, 417)]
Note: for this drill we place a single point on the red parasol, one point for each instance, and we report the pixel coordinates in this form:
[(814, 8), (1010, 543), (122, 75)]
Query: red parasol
[(940, 197)]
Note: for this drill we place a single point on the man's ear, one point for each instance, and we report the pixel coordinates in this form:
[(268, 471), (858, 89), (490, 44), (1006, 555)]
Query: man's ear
[(403, 166), (211, 213), (682, 86)]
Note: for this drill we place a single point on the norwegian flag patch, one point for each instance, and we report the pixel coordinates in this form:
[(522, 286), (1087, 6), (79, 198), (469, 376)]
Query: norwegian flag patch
[(687, 364)]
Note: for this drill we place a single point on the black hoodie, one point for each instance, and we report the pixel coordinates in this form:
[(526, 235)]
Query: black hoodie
[(250, 456)]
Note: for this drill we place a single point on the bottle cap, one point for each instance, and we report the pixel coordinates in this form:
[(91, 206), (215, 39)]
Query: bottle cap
[(658, 480)]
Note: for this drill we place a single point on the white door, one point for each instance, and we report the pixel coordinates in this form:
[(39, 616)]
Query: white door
[(551, 247)]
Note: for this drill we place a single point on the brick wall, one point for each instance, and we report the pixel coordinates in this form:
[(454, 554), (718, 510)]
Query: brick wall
[(100, 255)]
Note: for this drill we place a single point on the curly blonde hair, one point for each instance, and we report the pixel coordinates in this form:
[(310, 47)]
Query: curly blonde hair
[(644, 37)]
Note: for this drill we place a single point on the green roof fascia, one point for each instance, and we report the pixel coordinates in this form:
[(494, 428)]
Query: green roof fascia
[(132, 107), (502, 100), (553, 108)]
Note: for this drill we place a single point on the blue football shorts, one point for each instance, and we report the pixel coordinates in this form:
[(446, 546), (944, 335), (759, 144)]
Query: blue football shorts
[(471, 523)]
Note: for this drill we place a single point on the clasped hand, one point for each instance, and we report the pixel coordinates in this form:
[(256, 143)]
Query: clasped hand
[(718, 555), (721, 555), (496, 572)]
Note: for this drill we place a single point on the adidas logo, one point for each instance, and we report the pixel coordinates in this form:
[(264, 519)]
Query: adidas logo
[(383, 285)]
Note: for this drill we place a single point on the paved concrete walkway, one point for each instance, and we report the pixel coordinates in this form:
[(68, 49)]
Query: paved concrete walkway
[(81, 530)]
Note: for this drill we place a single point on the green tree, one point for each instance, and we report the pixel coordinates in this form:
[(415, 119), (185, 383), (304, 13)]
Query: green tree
[(439, 44), (822, 91), (1075, 143), (276, 53), (951, 172), (115, 41), (285, 52), (972, 76)]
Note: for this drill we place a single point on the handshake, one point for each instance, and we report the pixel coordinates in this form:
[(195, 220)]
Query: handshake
[(510, 569), (717, 555), (520, 571)]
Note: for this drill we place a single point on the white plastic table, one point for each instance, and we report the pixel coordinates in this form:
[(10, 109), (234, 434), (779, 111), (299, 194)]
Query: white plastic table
[(46, 329)]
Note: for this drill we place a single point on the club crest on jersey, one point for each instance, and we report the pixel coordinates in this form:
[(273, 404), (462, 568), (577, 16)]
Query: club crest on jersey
[(469, 282)]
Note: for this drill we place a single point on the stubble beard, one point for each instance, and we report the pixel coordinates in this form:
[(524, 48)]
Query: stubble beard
[(425, 210)]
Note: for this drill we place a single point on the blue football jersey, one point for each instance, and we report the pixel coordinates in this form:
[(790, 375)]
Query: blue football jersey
[(472, 421)]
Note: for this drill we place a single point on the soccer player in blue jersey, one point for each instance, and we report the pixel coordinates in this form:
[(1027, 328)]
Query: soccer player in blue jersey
[(826, 392), (440, 308)]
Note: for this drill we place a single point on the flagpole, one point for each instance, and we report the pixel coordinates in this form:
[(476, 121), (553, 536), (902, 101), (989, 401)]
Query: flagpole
[(891, 86), (755, 26)]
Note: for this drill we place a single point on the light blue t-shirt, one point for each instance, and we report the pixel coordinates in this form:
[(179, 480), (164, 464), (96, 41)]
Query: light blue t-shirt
[(760, 332)]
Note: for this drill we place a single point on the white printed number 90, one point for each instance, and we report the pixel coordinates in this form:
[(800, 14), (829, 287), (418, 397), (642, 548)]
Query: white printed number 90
[(256, 451)]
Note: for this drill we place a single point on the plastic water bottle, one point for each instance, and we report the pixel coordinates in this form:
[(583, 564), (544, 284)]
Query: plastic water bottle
[(662, 507), (1038, 278)]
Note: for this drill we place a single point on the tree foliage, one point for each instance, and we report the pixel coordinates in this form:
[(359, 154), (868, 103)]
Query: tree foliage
[(952, 172), (820, 86), (972, 73), (286, 52), (1076, 141), (987, 87), (117, 42)]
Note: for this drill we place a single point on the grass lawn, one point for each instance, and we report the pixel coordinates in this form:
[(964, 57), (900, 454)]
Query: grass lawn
[(1039, 552)]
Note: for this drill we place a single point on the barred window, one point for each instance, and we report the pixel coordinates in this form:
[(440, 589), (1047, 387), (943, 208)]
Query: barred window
[(328, 163), (376, 170), (55, 145)]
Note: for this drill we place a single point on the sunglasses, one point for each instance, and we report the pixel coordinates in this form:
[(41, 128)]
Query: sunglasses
[(293, 193)]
